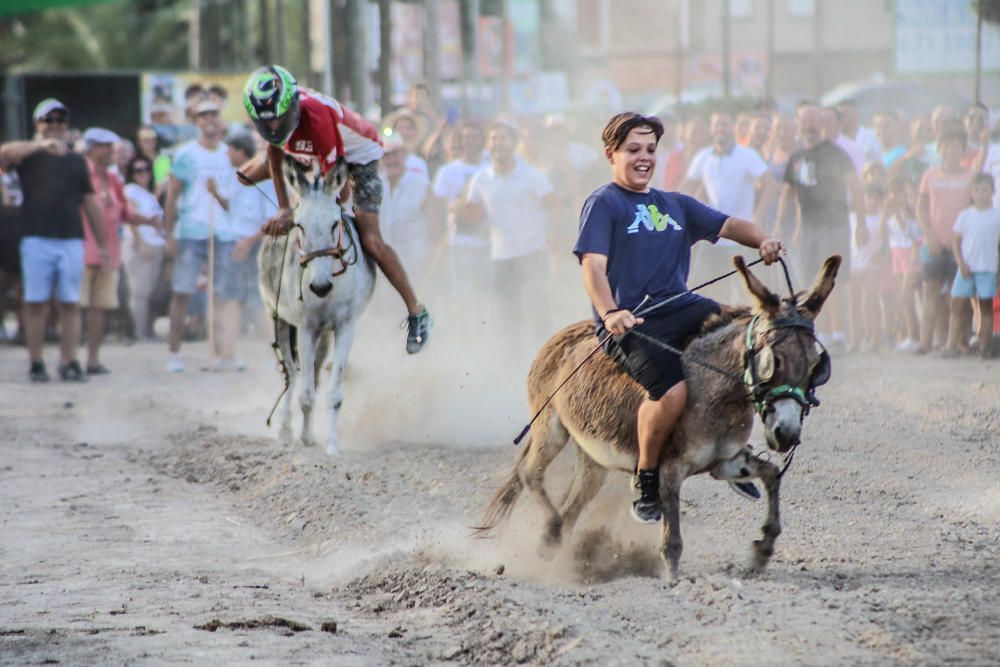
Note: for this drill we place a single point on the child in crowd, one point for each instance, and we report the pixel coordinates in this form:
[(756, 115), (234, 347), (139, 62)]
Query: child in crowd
[(866, 270), (977, 236), (900, 227)]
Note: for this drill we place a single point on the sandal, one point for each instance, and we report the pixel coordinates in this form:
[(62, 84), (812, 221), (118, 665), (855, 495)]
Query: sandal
[(72, 372), (99, 369)]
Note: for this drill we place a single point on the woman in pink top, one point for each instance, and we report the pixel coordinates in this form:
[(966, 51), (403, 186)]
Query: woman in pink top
[(944, 192)]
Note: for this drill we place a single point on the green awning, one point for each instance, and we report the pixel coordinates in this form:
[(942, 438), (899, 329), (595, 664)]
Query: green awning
[(11, 7)]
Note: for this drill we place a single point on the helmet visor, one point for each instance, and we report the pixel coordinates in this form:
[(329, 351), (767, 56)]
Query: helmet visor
[(277, 130)]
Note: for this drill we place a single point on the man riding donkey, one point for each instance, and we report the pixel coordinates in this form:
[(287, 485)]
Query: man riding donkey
[(635, 243), (310, 126)]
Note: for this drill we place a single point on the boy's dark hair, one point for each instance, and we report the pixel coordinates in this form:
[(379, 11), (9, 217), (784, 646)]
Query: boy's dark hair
[(216, 89), (243, 142), (953, 131), (507, 127), (195, 89), (984, 178), (621, 124)]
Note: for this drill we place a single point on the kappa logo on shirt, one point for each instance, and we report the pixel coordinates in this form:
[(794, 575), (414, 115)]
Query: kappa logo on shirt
[(303, 145), (649, 216)]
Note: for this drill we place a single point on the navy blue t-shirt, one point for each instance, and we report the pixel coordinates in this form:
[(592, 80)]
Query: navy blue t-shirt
[(647, 238)]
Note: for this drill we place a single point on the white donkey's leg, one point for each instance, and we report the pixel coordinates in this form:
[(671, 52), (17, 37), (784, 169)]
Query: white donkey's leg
[(342, 343), (307, 397), (284, 334)]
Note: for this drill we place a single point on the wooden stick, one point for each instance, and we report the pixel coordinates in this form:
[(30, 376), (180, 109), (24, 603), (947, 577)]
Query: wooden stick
[(210, 308)]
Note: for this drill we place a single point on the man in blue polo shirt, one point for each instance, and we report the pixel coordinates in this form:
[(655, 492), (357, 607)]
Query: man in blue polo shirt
[(636, 241)]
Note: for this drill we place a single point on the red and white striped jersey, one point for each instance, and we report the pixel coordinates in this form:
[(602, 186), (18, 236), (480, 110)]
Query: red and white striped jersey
[(328, 130)]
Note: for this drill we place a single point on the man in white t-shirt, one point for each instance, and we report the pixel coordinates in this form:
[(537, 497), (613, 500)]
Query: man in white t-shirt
[(730, 174), (404, 192), (515, 200), (192, 215), (247, 208), (468, 241)]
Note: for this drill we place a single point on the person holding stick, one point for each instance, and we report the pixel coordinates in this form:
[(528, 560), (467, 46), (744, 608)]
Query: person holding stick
[(195, 221)]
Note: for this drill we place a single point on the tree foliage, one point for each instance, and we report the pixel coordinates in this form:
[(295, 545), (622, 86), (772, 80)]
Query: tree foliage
[(989, 10), (140, 34)]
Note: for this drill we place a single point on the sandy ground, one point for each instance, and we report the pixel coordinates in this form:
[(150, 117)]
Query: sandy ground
[(143, 509)]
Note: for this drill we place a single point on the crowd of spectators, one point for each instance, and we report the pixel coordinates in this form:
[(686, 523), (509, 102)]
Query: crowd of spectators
[(489, 206)]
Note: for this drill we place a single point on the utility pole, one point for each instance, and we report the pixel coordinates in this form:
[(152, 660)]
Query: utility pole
[(469, 19), (432, 52), (385, 56), (684, 30), (726, 84), (357, 54), (265, 31), (817, 49), (279, 34), (305, 23), (194, 36), (508, 55), (979, 49), (769, 77)]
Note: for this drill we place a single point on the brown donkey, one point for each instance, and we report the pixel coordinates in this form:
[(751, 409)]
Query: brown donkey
[(771, 362)]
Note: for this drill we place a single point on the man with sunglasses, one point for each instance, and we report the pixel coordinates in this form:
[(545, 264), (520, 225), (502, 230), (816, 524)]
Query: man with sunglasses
[(56, 183)]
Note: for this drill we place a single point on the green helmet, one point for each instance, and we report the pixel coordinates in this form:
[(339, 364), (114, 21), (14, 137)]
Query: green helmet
[(271, 94)]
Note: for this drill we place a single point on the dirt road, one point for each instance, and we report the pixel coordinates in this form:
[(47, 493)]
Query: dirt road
[(141, 512)]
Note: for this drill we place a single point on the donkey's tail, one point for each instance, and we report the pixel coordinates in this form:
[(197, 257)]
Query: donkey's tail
[(502, 504)]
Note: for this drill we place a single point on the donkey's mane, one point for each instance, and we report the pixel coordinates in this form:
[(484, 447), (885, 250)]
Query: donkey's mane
[(724, 317)]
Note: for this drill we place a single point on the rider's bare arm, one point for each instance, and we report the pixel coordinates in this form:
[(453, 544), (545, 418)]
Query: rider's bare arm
[(254, 170), (746, 233), (276, 165), (595, 279)]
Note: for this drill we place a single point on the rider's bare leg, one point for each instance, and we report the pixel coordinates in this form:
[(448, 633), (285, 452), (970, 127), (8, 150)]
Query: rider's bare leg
[(657, 420), (386, 258)]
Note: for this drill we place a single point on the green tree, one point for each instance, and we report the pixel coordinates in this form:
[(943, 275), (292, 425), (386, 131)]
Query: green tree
[(114, 35)]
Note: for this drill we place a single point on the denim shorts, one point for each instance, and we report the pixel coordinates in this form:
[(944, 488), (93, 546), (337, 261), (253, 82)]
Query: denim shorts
[(981, 284), (192, 255), (242, 280), (51, 266)]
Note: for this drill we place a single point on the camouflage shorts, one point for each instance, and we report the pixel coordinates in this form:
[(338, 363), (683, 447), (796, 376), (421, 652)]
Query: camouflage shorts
[(366, 186)]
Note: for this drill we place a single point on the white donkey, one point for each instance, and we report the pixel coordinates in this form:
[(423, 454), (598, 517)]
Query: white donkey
[(319, 281)]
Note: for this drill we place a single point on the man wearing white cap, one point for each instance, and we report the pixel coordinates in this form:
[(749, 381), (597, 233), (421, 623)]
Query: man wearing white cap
[(55, 183), (99, 290)]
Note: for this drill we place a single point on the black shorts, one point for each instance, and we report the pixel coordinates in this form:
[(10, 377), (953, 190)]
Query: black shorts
[(655, 368), (939, 268)]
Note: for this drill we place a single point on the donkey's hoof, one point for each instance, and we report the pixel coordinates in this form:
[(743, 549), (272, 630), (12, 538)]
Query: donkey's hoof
[(308, 441), (285, 435), (332, 449), (760, 556)]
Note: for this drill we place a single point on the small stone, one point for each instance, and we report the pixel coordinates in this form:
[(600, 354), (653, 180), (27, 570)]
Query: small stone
[(501, 568), (329, 626)]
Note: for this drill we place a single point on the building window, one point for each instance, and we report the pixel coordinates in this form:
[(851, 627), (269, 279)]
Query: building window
[(803, 8)]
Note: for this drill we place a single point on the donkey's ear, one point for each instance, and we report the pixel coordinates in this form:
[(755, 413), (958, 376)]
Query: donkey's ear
[(766, 300), (822, 287), (335, 179), (294, 172)]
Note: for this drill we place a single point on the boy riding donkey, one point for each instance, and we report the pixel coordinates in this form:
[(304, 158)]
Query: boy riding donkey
[(310, 126), (635, 241)]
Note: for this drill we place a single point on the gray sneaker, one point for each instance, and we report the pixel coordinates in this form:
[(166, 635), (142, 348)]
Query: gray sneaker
[(418, 328), (646, 496), (746, 489)]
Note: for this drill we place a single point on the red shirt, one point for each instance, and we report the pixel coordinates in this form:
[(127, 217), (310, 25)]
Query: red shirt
[(115, 210), (328, 131)]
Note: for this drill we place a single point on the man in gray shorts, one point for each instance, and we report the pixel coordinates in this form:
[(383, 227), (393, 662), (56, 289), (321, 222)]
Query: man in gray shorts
[(818, 178)]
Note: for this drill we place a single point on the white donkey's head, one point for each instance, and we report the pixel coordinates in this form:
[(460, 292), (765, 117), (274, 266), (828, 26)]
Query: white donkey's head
[(321, 237)]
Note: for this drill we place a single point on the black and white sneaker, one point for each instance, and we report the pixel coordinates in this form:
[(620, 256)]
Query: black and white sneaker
[(38, 373), (418, 328), (646, 496), (72, 372), (745, 489)]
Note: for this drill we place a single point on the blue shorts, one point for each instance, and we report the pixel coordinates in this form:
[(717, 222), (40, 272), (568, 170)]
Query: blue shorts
[(192, 255), (49, 265), (242, 280), (981, 283)]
